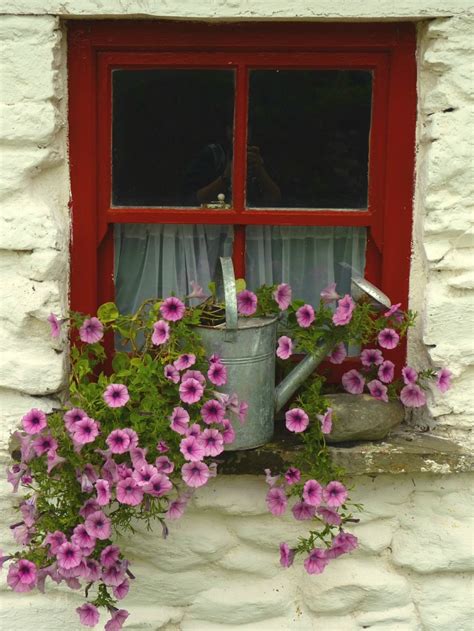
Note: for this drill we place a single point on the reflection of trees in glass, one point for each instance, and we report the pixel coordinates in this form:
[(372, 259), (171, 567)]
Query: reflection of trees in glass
[(313, 128)]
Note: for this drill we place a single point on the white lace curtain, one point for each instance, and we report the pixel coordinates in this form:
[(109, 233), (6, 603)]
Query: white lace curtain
[(156, 260)]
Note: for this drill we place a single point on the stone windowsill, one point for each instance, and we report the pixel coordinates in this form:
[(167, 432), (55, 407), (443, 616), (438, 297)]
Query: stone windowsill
[(402, 451)]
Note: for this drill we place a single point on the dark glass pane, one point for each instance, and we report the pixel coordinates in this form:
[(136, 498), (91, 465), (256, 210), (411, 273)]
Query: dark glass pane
[(308, 138), (172, 136)]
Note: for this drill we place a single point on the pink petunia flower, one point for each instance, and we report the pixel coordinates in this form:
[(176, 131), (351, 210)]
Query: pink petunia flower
[(338, 354), (88, 614), (303, 511), (353, 382), (190, 390), (164, 465), (293, 475), (176, 508), (316, 562), (55, 325), (329, 293), (313, 493), (109, 555), (179, 420), (45, 444), (90, 506), (378, 390), (285, 347), (393, 309), (388, 338), (55, 540), (116, 395), (228, 433), (409, 375), (217, 374), (82, 539), (242, 411), (386, 371), (172, 309), (270, 479), (343, 313), (91, 331), (305, 316), (132, 434), (34, 421), (114, 574), (69, 555), (72, 417), (98, 525), (195, 474), (117, 620), (144, 474), (129, 492), (162, 447), (118, 441), (246, 302), (85, 431), (184, 361), (412, 396), (212, 412), (282, 296), (161, 333), (215, 358), (326, 421), (22, 576), (276, 501), (296, 420), (158, 485), (443, 380), (329, 515), (287, 555), (194, 430), (192, 449), (196, 290), (91, 570), (212, 442), (171, 373), (103, 492), (29, 512), (342, 543), (120, 591), (371, 356), (194, 374), (335, 494)]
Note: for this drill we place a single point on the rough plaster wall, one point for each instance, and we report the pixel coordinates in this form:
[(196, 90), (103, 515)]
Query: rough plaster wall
[(217, 569)]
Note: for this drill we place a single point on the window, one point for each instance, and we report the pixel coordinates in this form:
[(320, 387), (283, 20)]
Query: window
[(306, 130)]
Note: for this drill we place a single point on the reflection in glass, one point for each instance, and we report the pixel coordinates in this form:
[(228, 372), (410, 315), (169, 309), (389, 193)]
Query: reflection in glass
[(308, 140), (172, 136), (307, 257), (156, 260)]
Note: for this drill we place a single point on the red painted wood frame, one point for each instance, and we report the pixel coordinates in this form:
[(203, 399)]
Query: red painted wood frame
[(96, 48)]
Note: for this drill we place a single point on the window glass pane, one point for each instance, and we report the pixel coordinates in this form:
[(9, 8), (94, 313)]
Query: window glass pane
[(155, 260), (172, 136), (308, 140), (309, 258)]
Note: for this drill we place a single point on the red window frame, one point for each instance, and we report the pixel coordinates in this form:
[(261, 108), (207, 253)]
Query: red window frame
[(96, 48)]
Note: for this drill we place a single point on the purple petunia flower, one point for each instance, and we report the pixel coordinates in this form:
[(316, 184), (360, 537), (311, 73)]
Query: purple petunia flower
[(326, 421), (282, 296), (194, 430), (116, 395), (293, 475), (120, 591), (303, 511), (386, 371), (171, 373), (34, 421), (443, 380), (212, 412), (85, 431), (72, 417), (192, 449), (45, 444), (55, 325), (212, 442), (114, 574), (172, 309), (246, 302), (228, 432), (316, 562), (270, 479), (179, 420), (158, 485), (393, 309), (82, 539), (287, 555), (305, 316), (217, 374), (161, 333), (109, 555), (313, 493), (68, 555), (88, 614), (388, 338), (90, 506), (378, 390), (144, 474), (22, 576), (194, 374), (335, 494), (103, 492), (164, 465), (98, 525), (55, 540), (195, 474), (329, 293), (412, 396), (409, 375), (196, 290), (342, 543), (177, 507), (371, 356), (190, 390), (343, 313), (91, 331), (353, 382), (242, 411), (285, 347), (329, 515), (186, 360), (276, 501), (117, 620), (129, 492), (296, 420), (118, 441), (162, 447), (338, 354)]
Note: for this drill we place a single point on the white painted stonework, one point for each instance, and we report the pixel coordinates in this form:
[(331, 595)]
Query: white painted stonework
[(218, 569)]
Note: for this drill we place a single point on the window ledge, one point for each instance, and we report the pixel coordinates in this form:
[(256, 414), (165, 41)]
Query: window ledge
[(403, 451)]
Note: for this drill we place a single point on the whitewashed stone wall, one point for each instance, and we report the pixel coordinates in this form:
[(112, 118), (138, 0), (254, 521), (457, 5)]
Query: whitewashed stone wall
[(218, 569)]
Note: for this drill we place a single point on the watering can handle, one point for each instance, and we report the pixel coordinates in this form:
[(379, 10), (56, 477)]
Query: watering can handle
[(226, 291)]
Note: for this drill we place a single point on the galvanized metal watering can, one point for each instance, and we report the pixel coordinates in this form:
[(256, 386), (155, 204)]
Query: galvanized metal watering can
[(247, 348)]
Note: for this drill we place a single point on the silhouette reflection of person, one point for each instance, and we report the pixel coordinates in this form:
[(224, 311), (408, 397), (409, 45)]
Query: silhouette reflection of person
[(210, 173)]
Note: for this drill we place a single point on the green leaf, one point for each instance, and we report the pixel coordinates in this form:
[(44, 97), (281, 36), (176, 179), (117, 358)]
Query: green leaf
[(212, 288), (240, 284), (108, 312), (121, 361)]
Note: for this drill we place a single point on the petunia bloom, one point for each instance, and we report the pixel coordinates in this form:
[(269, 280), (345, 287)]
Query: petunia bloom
[(172, 309), (195, 474), (443, 380), (409, 375), (72, 417), (293, 475), (326, 421), (342, 543), (161, 333), (55, 540), (129, 492), (82, 539), (217, 374), (282, 296), (276, 501), (329, 515), (118, 441), (120, 591), (164, 465), (412, 396), (55, 325), (98, 525), (109, 555), (228, 432), (114, 575), (69, 555), (196, 290), (212, 412), (192, 449), (371, 356), (194, 374), (116, 395), (305, 316), (22, 576), (103, 492), (393, 309), (313, 493), (296, 420), (303, 511), (158, 485), (117, 620), (316, 562), (85, 431), (185, 361), (335, 494), (45, 444), (143, 474), (88, 614), (190, 390), (386, 371), (177, 507), (179, 420), (353, 382), (171, 373), (388, 338), (212, 442), (287, 555), (343, 313), (34, 421), (378, 390), (91, 331), (285, 347), (329, 293), (246, 302), (338, 354)]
